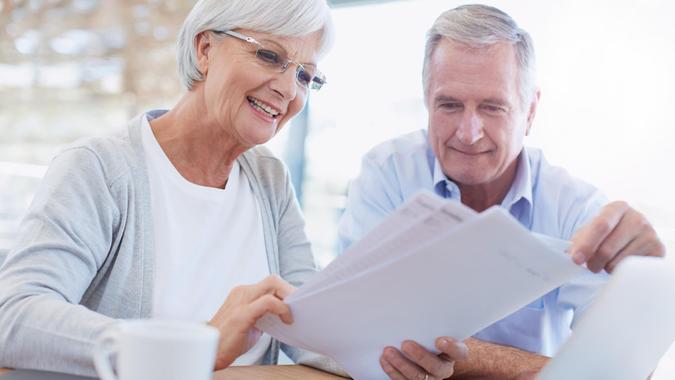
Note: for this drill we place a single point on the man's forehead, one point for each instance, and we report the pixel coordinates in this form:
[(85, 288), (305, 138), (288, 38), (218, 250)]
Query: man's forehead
[(459, 68), (502, 52)]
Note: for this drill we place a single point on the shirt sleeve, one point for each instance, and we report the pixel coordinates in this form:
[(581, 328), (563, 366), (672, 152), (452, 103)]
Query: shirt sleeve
[(63, 240), (579, 293), (373, 195)]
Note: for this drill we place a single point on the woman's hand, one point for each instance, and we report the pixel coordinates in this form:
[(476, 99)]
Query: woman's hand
[(243, 307)]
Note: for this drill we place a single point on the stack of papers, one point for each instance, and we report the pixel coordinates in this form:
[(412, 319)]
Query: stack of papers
[(432, 268)]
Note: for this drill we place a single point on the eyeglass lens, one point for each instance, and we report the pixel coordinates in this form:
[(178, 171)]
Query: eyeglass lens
[(305, 76)]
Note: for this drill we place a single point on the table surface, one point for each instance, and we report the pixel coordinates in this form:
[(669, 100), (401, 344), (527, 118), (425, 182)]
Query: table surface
[(273, 372), (265, 372)]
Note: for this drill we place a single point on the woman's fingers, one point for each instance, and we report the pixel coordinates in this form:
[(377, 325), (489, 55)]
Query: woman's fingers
[(268, 303), (274, 285), (238, 315)]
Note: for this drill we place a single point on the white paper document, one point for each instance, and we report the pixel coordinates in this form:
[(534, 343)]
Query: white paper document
[(433, 268), (626, 330)]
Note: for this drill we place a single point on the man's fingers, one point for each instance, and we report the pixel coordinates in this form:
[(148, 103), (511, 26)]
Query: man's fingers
[(633, 226), (430, 362), (633, 235), (455, 350), (644, 245), (389, 369), (629, 228), (408, 369), (415, 362), (529, 375), (589, 238)]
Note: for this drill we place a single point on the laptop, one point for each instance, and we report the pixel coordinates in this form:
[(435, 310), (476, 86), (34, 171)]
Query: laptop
[(626, 330)]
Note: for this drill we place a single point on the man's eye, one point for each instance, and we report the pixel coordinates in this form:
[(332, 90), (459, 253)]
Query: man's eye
[(450, 106), (492, 109), (268, 56)]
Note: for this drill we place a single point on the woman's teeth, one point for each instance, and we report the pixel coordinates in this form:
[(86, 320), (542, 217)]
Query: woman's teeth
[(257, 104)]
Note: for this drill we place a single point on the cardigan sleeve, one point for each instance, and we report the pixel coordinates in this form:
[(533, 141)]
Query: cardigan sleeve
[(63, 240)]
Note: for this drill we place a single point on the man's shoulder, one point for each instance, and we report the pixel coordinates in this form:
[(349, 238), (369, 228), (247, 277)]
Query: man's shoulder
[(399, 167), (552, 178), (565, 202), (410, 145)]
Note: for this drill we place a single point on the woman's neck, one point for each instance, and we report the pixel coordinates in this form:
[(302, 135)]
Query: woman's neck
[(201, 150)]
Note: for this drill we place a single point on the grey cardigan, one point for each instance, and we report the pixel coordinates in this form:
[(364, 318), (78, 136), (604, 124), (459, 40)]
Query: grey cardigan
[(84, 258)]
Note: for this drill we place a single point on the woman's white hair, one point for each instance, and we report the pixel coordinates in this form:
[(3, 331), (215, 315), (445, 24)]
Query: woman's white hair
[(481, 26), (288, 18)]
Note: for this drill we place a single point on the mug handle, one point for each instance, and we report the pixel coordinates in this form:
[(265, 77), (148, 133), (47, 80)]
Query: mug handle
[(105, 347)]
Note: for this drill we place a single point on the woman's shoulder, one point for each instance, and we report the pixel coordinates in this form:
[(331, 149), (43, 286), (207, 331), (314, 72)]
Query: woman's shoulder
[(266, 171), (263, 162), (114, 156)]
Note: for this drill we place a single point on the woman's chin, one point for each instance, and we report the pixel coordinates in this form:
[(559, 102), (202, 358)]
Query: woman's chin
[(261, 137)]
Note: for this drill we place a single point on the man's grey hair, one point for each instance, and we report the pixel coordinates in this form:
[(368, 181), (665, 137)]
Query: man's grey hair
[(288, 18), (480, 26)]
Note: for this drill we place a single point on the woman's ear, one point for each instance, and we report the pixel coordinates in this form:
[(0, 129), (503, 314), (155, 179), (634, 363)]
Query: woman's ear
[(203, 47)]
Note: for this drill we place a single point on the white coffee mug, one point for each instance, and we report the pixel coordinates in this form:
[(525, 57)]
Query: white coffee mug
[(157, 350)]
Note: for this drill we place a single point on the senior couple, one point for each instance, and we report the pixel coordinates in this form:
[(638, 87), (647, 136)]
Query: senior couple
[(173, 218)]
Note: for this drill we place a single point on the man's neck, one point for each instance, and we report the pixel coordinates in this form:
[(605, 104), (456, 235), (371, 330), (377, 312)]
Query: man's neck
[(482, 196), (480, 199)]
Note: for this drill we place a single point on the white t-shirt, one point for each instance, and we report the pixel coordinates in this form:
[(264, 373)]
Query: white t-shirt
[(207, 241)]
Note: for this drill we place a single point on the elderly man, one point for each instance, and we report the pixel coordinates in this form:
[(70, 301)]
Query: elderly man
[(481, 96)]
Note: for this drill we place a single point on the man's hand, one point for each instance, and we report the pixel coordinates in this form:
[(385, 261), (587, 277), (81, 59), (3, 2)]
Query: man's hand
[(617, 232), (529, 375), (414, 362)]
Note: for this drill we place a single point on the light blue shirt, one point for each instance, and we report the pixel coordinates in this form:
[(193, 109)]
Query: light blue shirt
[(543, 198)]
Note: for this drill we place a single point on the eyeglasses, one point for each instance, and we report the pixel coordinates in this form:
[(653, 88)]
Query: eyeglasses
[(306, 76)]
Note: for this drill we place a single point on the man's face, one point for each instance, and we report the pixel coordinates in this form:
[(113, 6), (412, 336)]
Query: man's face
[(477, 121)]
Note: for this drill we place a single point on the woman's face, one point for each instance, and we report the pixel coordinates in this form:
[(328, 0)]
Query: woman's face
[(243, 94)]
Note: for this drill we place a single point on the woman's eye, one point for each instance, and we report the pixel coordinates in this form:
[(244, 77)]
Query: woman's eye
[(304, 77), (268, 56)]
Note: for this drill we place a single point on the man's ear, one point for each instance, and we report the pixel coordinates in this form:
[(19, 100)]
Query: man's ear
[(203, 47), (532, 110)]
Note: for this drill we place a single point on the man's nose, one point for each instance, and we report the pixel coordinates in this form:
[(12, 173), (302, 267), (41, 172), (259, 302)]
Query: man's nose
[(470, 129)]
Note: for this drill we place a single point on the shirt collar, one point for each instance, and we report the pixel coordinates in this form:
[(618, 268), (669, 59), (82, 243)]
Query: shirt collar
[(442, 185), (521, 189), (518, 200)]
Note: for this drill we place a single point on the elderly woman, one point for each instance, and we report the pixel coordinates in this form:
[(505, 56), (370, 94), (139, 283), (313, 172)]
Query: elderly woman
[(167, 219)]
